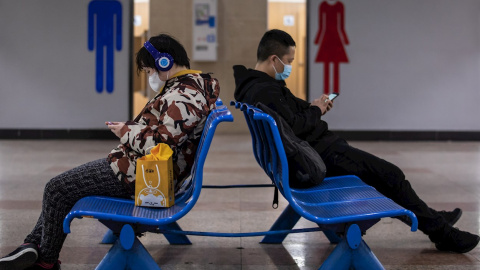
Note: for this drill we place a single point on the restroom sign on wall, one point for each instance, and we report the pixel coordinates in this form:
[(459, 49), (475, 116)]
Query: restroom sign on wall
[(330, 41)]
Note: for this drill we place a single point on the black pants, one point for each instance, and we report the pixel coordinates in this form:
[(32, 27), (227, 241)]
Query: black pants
[(61, 193), (343, 159)]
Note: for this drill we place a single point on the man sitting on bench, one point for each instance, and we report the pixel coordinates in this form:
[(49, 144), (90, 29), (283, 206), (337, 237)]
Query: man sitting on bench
[(266, 84)]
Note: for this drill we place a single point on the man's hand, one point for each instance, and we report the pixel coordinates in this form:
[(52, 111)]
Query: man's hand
[(323, 103), (115, 127)]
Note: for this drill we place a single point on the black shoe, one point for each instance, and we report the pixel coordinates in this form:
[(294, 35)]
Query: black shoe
[(458, 241), (38, 266), (451, 216), (22, 257)]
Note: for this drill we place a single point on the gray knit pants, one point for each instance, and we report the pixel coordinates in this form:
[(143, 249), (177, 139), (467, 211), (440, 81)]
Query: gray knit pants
[(60, 195)]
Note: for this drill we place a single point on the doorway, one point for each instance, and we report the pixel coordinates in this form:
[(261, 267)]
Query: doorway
[(141, 91), (290, 16)]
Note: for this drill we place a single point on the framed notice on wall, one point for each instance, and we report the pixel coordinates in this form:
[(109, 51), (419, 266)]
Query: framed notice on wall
[(204, 30)]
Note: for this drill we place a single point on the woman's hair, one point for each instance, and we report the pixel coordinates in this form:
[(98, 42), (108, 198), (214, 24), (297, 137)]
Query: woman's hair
[(164, 44), (274, 42)]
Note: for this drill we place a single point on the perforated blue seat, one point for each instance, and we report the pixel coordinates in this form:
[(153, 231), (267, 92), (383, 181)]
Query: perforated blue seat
[(345, 207), (125, 219)]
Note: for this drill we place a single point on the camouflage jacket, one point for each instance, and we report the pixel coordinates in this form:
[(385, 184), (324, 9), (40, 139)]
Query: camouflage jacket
[(176, 117)]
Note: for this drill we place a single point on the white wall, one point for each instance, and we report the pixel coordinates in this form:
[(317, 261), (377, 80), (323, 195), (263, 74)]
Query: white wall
[(414, 65), (47, 73)]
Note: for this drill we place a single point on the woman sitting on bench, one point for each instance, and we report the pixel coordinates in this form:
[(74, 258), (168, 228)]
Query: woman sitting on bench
[(175, 116)]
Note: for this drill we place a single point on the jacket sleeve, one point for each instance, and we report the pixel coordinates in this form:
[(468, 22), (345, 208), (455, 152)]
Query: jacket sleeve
[(304, 121), (178, 116)]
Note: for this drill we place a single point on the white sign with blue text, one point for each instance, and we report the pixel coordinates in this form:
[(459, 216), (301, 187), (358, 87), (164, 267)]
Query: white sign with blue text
[(205, 30)]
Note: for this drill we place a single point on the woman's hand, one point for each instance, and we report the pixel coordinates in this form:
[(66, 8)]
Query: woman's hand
[(116, 127)]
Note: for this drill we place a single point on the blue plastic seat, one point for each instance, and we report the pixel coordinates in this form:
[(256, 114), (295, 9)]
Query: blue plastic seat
[(344, 207), (125, 219)]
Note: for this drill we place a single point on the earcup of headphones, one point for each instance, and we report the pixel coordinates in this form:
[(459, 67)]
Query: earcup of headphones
[(164, 62)]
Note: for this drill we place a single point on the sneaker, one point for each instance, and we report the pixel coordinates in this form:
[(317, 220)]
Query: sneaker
[(458, 241), (451, 216), (22, 257), (39, 266)]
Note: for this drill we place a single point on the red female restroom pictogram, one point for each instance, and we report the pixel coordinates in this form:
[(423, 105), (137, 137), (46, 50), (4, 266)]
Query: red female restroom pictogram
[(331, 38)]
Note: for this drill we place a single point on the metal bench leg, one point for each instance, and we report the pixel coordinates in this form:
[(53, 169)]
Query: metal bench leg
[(109, 238), (332, 236), (352, 253), (286, 221), (339, 259), (175, 239), (115, 258), (127, 253), (135, 258), (365, 259)]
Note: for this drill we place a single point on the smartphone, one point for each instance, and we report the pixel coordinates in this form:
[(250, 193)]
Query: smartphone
[(333, 96)]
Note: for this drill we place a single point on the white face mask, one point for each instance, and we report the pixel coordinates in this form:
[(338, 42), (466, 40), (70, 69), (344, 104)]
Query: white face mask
[(155, 83)]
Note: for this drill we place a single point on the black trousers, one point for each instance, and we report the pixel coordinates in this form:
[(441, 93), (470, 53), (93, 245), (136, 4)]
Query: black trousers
[(60, 195), (343, 159)]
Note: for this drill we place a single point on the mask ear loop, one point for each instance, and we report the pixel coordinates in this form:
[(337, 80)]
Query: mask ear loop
[(274, 68), (273, 65), (280, 60)]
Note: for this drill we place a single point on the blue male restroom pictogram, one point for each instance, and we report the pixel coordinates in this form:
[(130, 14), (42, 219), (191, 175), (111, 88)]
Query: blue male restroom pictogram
[(104, 29)]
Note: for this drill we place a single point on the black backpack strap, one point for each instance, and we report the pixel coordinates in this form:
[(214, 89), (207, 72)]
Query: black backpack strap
[(275, 198)]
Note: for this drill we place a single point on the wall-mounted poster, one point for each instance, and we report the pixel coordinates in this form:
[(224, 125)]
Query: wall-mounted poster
[(204, 30)]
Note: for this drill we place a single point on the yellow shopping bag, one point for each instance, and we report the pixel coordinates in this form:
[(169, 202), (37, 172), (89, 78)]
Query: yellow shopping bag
[(154, 178)]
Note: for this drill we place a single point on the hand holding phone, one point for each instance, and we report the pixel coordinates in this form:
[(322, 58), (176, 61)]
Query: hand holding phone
[(333, 96)]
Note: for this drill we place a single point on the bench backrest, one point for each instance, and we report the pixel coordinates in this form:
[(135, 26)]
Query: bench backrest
[(267, 146), (190, 189)]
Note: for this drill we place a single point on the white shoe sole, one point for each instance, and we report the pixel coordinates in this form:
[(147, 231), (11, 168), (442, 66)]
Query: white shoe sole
[(20, 260)]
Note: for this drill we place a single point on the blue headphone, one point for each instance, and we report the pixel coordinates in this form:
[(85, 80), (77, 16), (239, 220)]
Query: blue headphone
[(163, 61)]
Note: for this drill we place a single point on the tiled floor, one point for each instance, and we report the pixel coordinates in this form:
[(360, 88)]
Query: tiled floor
[(445, 174)]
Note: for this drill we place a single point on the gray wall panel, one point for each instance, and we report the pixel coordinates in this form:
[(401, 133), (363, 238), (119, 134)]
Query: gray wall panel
[(414, 65), (47, 73)]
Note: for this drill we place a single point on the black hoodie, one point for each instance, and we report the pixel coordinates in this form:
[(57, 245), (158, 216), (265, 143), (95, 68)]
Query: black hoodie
[(252, 86)]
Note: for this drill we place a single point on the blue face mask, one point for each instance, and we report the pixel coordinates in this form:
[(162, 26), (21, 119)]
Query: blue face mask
[(286, 71)]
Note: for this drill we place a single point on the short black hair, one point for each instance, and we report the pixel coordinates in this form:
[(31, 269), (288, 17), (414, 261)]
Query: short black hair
[(165, 44), (274, 42)]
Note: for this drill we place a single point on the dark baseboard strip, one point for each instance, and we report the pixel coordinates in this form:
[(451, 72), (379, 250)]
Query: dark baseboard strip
[(56, 134), (93, 134), (409, 135)]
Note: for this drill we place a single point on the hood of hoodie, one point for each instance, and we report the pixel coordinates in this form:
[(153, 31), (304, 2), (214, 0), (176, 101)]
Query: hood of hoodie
[(244, 76), (201, 82)]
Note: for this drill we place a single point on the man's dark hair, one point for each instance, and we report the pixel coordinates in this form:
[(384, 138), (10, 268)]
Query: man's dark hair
[(164, 44), (274, 42)]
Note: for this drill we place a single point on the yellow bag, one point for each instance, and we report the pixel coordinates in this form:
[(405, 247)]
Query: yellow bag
[(154, 178)]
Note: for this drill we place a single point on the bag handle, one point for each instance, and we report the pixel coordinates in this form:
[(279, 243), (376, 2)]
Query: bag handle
[(144, 180)]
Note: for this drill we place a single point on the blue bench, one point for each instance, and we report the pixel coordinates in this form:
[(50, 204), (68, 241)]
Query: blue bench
[(343, 207), (128, 221)]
